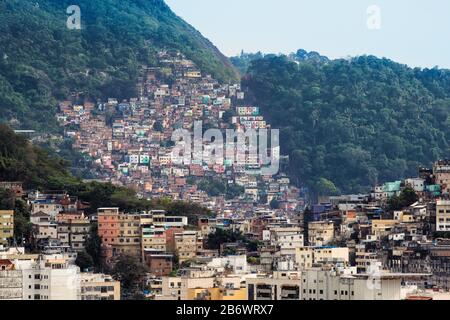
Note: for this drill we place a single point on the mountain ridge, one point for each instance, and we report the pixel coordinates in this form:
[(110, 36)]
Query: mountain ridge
[(43, 62)]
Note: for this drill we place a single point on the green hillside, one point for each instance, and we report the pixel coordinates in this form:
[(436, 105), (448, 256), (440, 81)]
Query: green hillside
[(21, 161), (348, 124), (42, 61)]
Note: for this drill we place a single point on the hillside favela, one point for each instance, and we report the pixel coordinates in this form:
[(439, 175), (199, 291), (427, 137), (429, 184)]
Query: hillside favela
[(139, 162)]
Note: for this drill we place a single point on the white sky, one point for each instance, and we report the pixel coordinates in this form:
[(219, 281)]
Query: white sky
[(415, 32)]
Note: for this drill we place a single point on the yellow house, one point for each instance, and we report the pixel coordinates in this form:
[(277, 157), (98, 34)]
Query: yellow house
[(6, 226), (407, 218), (193, 74), (380, 227)]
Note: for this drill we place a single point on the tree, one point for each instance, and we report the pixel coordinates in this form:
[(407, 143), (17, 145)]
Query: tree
[(325, 187), (84, 260), (353, 122), (7, 200), (253, 260), (158, 126), (93, 248), (229, 236), (274, 204), (223, 236), (228, 115), (32, 80), (131, 274), (407, 197), (22, 225), (252, 245)]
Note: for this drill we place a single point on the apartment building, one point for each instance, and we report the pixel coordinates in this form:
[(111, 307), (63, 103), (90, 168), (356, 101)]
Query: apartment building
[(159, 263), (99, 287), (320, 233), (10, 281), (129, 241), (186, 245), (120, 233), (48, 206), (153, 239), (202, 286), (225, 288), (108, 225), (45, 231), (206, 226), (73, 231), (236, 264), (331, 255), (441, 171), (50, 278), (306, 257), (366, 257), (269, 289), (346, 284), (382, 228), (6, 226), (170, 289), (442, 215), (286, 238)]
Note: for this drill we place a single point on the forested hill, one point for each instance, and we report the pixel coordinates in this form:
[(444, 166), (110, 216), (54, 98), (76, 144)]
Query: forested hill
[(348, 124), (42, 61)]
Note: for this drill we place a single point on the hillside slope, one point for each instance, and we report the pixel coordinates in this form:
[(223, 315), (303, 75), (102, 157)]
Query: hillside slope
[(21, 161), (42, 61), (348, 124)]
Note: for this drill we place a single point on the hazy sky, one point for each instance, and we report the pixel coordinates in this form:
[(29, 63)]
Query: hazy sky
[(415, 32)]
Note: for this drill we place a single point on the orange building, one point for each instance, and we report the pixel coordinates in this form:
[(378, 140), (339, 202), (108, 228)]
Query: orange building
[(108, 225)]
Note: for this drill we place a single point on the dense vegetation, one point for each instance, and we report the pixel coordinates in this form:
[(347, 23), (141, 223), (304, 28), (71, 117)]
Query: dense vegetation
[(42, 61), (22, 161), (405, 199), (221, 236), (348, 124), (217, 187), (245, 59), (22, 225), (131, 273)]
